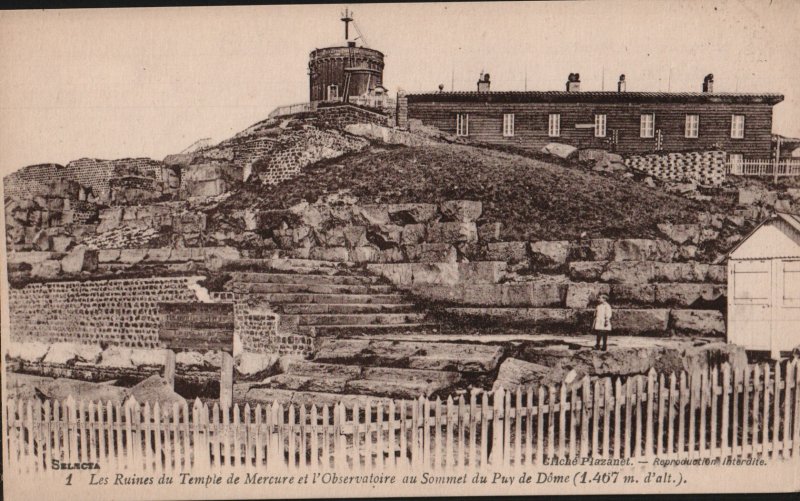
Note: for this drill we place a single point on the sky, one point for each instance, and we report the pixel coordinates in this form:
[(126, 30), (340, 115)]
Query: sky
[(150, 82)]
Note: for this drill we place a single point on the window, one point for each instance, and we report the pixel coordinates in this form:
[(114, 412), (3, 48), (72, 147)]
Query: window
[(462, 124), (735, 163), (554, 125), (647, 125), (737, 126), (692, 126), (599, 126), (333, 92), (508, 125)]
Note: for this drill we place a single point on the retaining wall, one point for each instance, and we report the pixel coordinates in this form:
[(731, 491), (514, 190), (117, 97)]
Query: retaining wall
[(117, 312)]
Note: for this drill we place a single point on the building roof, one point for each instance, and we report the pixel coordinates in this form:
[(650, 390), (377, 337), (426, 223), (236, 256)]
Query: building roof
[(596, 97), (770, 248)]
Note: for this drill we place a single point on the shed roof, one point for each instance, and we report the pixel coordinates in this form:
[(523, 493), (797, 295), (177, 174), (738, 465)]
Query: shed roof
[(596, 97), (778, 236)]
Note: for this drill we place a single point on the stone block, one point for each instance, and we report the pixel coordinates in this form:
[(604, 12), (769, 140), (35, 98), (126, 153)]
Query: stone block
[(434, 273), (586, 270), (80, 259), (481, 294), (63, 353), (451, 233), (364, 254), (637, 249), (28, 351), (391, 255), (489, 232), (533, 294), (371, 215), (431, 253), (397, 273), (706, 322), (717, 274), (410, 213), (681, 233), (509, 252), (680, 272), (462, 211), (46, 269), (688, 294), (641, 321), (413, 234), (628, 272), (385, 236), (158, 255), (515, 373), (584, 295), (481, 272), (633, 293), (560, 150), (132, 256), (553, 252), (338, 254), (596, 249), (61, 243)]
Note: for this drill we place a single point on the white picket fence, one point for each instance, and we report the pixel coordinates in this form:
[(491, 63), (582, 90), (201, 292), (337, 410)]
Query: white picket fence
[(764, 168), (707, 414)]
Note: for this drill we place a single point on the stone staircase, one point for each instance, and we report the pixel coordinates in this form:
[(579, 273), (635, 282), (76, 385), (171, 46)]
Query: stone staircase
[(350, 314), (328, 304)]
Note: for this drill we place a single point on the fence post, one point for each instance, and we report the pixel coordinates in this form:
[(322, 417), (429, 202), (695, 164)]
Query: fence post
[(787, 416), (796, 432), (540, 426), (506, 428), (436, 454), (704, 385), (595, 417), (473, 409), (756, 417), (651, 395), (776, 410), (551, 422), (448, 443), (484, 445), (607, 403), (518, 413), (562, 414), (462, 425), (682, 416), (130, 453), (765, 411), (726, 425), (586, 399), (746, 409), (619, 398)]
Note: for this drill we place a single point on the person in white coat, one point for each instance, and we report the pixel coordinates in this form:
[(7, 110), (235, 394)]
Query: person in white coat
[(602, 322)]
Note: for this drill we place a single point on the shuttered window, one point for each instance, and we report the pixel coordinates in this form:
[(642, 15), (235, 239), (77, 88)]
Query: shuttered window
[(508, 124), (599, 126), (737, 126), (462, 124), (554, 125), (647, 125), (692, 126)]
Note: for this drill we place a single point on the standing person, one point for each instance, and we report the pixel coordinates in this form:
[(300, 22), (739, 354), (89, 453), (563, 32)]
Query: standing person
[(602, 321)]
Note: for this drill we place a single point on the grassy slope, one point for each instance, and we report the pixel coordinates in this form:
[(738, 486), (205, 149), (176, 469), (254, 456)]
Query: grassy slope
[(533, 199)]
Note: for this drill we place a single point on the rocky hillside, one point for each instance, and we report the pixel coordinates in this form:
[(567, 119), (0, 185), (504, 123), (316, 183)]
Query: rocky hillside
[(534, 199)]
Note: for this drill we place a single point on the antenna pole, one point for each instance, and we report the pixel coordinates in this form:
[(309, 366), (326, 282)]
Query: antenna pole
[(452, 79), (347, 18)]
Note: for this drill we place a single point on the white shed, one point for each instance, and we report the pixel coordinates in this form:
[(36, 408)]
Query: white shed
[(764, 287)]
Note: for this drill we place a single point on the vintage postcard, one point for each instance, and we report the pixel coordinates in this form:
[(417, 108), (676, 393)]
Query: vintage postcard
[(400, 250)]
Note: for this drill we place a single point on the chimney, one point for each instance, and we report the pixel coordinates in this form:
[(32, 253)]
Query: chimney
[(574, 82), (708, 83), (483, 83), (621, 83)]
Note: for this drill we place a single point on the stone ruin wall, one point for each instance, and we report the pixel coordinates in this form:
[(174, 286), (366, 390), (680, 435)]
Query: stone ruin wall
[(117, 312), (297, 149), (704, 168), (88, 172), (258, 330)]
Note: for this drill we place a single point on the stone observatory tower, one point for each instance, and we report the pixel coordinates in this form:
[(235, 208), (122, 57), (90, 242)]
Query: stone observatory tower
[(337, 73)]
